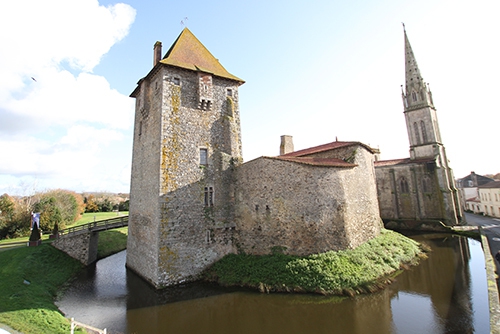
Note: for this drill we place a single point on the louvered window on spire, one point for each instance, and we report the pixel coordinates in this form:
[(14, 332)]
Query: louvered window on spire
[(417, 134), (424, 132), (414, 96)]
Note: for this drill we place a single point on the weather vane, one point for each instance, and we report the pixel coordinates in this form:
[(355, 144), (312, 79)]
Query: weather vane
[(182, 21)]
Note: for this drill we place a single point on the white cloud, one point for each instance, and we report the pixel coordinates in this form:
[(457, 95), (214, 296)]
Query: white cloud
[(57, 117)]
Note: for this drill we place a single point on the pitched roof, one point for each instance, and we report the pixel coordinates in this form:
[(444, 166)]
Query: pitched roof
[(492, 184), (404, 161), (392, 162), (189, 53), (324, 162), (325, 147)]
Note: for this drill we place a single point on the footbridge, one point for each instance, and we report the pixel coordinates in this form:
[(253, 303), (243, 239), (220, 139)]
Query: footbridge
[(80, 242)]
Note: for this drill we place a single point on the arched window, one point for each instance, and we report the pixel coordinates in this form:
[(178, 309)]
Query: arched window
[(424, 132), (426, 184), (417, 133), (403, 185), (414, 96)]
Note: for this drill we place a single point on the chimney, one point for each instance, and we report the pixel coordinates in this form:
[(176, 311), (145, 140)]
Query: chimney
[(156, 53), (286, 144)]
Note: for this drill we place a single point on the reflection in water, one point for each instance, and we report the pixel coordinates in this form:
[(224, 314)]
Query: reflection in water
[(446, 293)]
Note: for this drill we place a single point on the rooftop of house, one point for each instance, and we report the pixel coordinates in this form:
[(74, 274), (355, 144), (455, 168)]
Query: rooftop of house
[(322, 162), (492, 184), (325, 147), (395, 162)]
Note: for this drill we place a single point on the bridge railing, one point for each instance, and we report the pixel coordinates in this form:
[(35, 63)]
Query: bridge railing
[(100, 225)]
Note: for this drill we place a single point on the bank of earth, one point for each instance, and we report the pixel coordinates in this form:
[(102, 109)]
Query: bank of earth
[(368, 268)]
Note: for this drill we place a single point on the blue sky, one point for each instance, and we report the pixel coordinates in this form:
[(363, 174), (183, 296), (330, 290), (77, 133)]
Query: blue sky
[(315, 70)]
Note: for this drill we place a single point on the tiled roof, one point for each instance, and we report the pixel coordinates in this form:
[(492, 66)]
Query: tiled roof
[(492, 184), (326, 162), (325, 147), (189, 53), (394, 162)]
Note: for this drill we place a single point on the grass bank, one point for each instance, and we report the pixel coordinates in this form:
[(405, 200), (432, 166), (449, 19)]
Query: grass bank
[(30, 280), (365, 269)]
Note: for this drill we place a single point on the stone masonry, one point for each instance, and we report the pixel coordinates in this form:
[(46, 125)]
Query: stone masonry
[(193, 200), (186, 145)]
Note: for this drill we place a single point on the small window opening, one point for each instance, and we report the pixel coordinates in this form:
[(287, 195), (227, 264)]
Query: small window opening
[(177, 81), (209, 196), (403, 184), (414, 96), (140, 128), (229, 92), (417, 134), (424, 132), (203, 156)]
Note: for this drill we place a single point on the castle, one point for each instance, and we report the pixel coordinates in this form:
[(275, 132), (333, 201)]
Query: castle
[(193, 200)]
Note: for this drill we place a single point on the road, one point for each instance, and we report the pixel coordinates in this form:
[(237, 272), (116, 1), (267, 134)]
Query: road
[(491, 228)]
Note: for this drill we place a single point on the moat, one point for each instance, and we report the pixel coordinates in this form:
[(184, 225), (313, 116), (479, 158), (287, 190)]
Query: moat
[(445, 293)]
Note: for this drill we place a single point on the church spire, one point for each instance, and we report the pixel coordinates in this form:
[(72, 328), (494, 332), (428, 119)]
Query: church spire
[(416, 93)]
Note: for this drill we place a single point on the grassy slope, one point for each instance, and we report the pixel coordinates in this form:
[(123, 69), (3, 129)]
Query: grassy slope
[(30, 308), (344, 272)]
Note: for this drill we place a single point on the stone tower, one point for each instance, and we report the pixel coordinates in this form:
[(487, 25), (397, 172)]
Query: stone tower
[(186, 145), (423, 132)]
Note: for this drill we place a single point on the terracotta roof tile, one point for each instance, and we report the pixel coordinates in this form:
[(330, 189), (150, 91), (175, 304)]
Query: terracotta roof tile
[(325, 162), (325, 147)]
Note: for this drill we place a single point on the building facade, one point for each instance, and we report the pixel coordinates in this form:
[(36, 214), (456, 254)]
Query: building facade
[(468, 190), (489, 198)]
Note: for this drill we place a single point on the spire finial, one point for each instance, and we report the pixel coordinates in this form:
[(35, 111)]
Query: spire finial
[(404, 28)]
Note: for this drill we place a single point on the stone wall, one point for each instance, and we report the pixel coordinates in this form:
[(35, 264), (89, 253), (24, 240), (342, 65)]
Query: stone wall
[(410, 191), (181, 210), (305, 209), (82, 247)]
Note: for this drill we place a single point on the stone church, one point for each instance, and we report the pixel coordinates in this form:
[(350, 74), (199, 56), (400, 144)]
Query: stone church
[(193, 200)]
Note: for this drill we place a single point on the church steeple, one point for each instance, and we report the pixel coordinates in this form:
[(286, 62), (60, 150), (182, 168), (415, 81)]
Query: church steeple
[(420, 113), (417, 93)]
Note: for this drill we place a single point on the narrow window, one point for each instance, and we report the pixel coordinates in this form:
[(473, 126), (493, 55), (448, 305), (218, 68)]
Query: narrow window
[(177, 81), (403, 184), (417, 134), (229, 92), (209, 196), (203, 156), (414, 96), (140, 128), (424, 132), (426, 184)]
